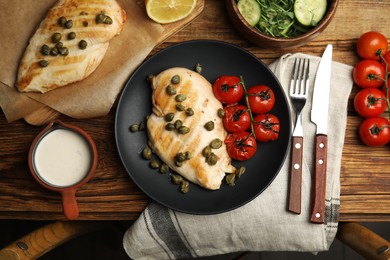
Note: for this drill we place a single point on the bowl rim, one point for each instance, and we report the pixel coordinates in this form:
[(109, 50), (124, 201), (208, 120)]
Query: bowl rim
[(322, 24)]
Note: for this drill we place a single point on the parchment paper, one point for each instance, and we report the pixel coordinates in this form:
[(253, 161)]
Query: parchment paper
[(91, 97)]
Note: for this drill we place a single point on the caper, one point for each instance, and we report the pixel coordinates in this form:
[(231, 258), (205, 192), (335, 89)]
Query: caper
[(216, 143), (178, 164), (83, 44), (171, 90), (154, 164), (147, 153), (184, 186), (59, 45), (62, 21), (63, 51), (183, 130), (221, 113), (178, 124), (100, 18), (149, 78), (54, 52), (164, 168), (108, 20), (56, 37), (176, 179), (189, 112), (169, 127), (240, 171), (169, 117), (180, 157), (68, 24), (209, 125), (206, 152), (180, 107), (212, 159), (198, 68), (175, 79), (134, 128), (188, 155), (85, 23), (45, 50), (180, 98), (43, 63), (71, 35), (142, 126), (230, 179)]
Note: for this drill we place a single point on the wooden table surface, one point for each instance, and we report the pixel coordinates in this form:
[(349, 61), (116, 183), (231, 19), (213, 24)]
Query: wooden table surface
[(111, 194)]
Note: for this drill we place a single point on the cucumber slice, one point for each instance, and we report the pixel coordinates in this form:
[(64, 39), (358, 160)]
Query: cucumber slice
[(250, 10), (310, 12)]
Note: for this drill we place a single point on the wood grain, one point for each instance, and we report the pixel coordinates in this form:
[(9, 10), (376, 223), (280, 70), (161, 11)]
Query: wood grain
[(112, 195)]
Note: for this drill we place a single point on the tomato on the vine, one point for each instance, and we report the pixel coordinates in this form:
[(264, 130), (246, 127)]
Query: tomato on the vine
[(375, 131), (261, 99), (236, 118), (266, 127), (370, 102), (371, 44), (384, 88), (228, 89), (368, 74), (241, 145)]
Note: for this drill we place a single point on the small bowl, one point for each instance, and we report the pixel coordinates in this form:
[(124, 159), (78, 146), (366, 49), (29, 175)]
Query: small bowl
[(262, 40), (62, 158)]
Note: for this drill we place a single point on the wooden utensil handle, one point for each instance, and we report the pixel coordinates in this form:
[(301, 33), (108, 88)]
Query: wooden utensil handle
[(319, 181), (294, 202)]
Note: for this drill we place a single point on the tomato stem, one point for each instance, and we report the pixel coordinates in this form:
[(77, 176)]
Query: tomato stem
[(386, 79), (249, 107)]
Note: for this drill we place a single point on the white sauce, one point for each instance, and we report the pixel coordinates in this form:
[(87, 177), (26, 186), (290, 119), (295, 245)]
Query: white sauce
[(62, 158)]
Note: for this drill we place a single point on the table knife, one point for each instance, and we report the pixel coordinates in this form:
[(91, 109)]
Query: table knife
[(319, 116)]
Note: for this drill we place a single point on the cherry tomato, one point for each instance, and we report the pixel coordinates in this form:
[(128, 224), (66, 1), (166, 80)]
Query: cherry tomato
[(370, 102), (241, 145), (371, 44), (266, 127), (386, 58), (228, 89), (261, 99), (236, 118), (368, 74), (375, 131)]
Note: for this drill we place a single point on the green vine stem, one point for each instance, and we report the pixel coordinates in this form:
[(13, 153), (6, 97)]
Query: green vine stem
[(247, 104), (386, 79)]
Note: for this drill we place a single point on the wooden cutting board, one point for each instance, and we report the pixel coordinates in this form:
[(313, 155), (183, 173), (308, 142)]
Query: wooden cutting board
[(46, 114)]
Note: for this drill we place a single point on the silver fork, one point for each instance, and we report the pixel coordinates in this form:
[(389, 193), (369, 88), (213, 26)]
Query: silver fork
[(299, 87)]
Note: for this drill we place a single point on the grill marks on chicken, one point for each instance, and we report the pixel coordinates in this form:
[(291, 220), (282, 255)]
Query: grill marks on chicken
[(167, 144), (78, 63)]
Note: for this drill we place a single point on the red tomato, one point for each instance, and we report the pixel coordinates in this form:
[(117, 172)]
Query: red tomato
[(236, 118), (266, 127), (228, 89), (261, 99), (386, 59), (241, 145), (370, 102), (371, 44), (375, 131), (368, 74)]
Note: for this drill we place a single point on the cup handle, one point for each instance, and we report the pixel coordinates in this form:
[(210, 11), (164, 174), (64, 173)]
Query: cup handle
[(69, 204)]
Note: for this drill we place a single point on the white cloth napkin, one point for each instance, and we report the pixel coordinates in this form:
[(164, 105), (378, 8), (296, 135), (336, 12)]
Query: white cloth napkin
[(263, 224)]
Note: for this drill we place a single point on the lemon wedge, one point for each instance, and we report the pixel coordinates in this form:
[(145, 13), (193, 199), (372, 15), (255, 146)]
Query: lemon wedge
[(169, 11)]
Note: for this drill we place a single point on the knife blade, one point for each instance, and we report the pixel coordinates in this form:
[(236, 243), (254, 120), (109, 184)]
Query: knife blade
[(319, 116)]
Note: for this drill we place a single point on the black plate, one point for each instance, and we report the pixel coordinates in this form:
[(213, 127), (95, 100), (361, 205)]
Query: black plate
[(216, 58)]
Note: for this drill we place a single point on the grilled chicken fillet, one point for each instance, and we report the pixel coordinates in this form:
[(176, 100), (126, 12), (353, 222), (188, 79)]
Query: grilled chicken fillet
[(168, 144), (41, 73)]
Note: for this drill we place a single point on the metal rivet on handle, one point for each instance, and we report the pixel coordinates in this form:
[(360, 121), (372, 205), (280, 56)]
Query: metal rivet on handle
[(318, 215), (298, 146), (383, 249), (321, 145), (296, 166), (320, 161)]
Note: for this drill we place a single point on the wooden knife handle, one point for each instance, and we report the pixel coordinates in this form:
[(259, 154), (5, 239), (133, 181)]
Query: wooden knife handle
[(319, 181), (294, 201)]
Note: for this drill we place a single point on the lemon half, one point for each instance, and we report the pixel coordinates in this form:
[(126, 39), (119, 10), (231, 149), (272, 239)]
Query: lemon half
[(169, 11)]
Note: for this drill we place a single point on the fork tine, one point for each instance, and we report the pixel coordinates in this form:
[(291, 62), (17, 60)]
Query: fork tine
[(307, 72), (293, 77), (299, 85)]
